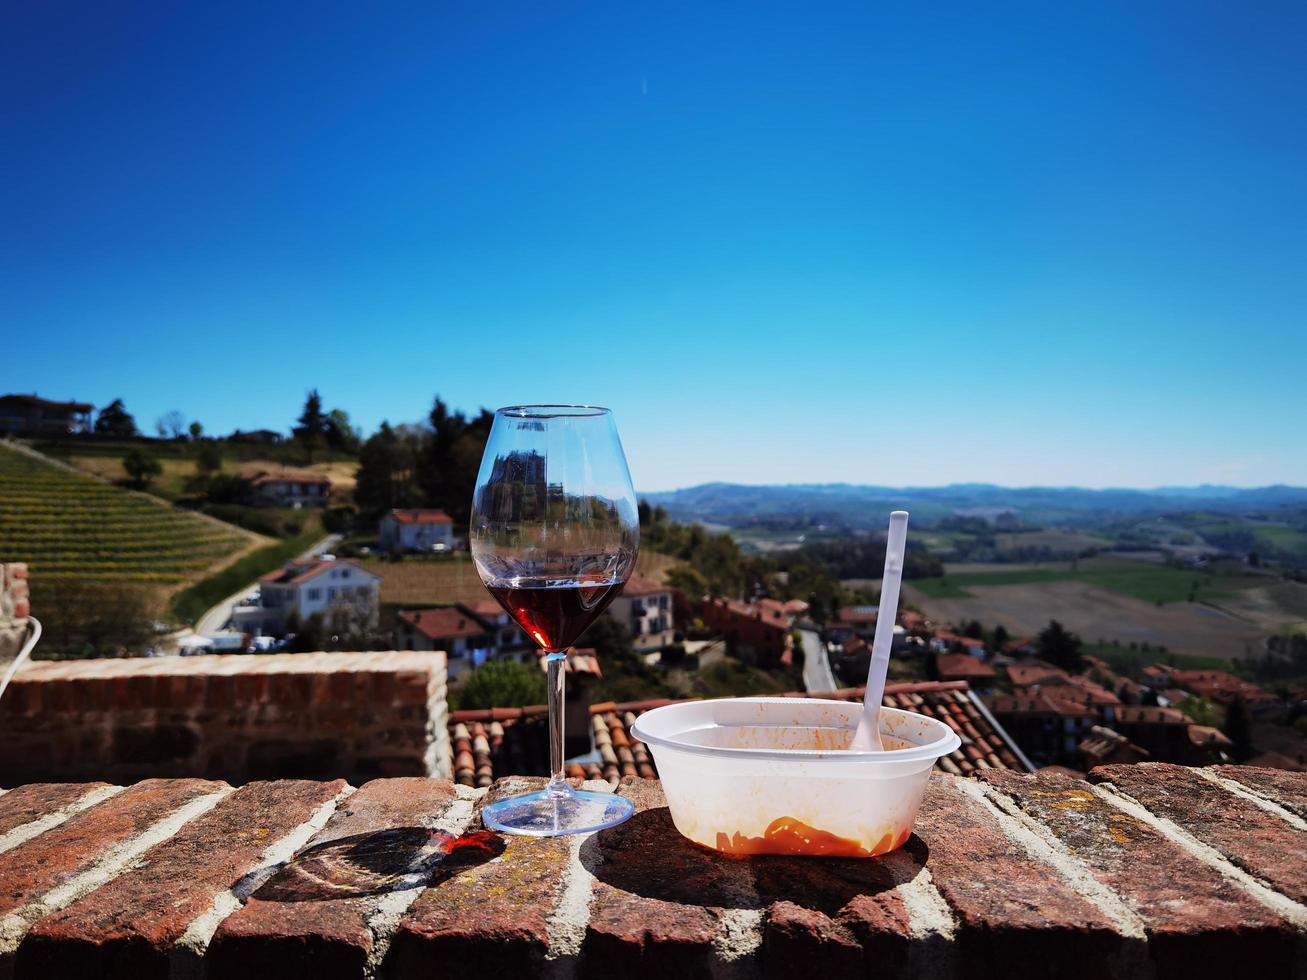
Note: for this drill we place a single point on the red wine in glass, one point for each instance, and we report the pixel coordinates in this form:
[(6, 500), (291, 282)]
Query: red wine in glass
[(557, 613), (554, 536)]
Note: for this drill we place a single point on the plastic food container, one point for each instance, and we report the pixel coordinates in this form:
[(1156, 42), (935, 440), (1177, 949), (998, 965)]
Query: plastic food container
[(770, 775)]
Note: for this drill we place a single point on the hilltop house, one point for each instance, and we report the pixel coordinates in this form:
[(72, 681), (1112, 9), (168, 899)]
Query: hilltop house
[(466, 640), (31, 415), (416, 530), (645, 608), (470, 633), (760, 628), (342, 594), (291, 488)]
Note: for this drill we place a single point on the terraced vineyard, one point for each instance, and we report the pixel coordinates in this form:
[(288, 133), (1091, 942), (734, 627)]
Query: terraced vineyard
[(69, 526)]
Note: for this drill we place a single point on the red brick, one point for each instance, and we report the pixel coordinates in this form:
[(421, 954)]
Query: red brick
[(1258, 841), (513, 897), (130, 925), (342, 687), (1016, 916), (805, 942), (658, 899), (217, 691), (296, 925), (1197, 920), (52, 858), (1289, 789), (841, 899), (412, 686), (35, 800)]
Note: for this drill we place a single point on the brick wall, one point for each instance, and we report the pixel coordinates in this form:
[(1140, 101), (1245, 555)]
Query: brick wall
[(238, 718), (1149, 871)]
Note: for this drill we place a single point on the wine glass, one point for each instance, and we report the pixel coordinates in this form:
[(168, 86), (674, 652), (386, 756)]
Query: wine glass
[(554, 536)]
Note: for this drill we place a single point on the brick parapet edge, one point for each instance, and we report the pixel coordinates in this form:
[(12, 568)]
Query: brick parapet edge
[(1142, 871)]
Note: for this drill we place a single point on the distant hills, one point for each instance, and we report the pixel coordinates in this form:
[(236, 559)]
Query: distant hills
[(854, 506)]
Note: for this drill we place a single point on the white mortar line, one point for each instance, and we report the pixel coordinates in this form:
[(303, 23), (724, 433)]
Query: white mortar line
[(737, 943), (928, 913), (390, 907), (117, 859), (1268, 896), (565, 927), (185, 959), (1240, 790), (1040, 843), (25, 832)]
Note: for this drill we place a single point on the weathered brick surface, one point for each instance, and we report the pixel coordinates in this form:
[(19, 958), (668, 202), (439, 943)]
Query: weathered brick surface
[(1288, 789), (129, 926), (1013, 876), (1260, 842), (312, 917), (55, 857), (238, 718), (490, 918), (1193, 914), (658, 899), (1016, 916), (35, 800)]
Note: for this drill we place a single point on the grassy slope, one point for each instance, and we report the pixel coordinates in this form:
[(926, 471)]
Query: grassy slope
[(65, 525), (192, 602)]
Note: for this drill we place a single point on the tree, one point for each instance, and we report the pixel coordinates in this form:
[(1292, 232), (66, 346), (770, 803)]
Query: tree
[(1238, 728), (339, 433), (115, 421), (450, 458), (197, 431), (1001, 636), (141, 466), (503, 684), (974, 630), (384, 479), (208, 460), (645, 512), (311, 430), (1059, 646), (170, 425)]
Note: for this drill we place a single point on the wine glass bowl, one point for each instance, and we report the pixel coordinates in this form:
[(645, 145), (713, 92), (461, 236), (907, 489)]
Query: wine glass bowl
[(555, 535)]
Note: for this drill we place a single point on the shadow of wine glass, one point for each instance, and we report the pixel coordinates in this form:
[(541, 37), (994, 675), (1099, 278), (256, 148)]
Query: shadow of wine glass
[(648, 856), (374, 863)]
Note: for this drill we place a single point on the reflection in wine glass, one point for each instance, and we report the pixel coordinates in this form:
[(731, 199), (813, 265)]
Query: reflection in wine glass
[(554, 536)]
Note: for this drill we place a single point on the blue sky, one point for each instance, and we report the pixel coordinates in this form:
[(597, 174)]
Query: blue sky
[(800, 243)]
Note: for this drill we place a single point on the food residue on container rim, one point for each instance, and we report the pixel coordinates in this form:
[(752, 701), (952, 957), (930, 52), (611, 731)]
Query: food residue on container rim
[(786, 835)]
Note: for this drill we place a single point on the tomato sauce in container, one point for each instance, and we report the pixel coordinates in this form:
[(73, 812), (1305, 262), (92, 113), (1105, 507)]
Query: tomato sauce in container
[(775, 776)]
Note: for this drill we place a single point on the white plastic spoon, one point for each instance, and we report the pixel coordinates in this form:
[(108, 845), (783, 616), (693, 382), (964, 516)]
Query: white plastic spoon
[(867, 737)]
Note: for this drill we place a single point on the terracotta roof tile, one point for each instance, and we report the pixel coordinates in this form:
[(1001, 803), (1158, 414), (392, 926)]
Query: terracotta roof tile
[(523, 749), (421, 517)]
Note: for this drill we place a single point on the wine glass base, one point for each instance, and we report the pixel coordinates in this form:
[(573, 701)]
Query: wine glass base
[(555, 813)]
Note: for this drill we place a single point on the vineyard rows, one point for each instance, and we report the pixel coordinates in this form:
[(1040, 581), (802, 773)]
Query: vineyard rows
[(69, 526)]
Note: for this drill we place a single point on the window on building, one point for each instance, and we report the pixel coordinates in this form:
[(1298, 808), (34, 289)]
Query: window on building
[(314, 595), (331, 594)]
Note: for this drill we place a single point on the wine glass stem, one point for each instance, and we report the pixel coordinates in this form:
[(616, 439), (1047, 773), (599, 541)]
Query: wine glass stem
[(555, 664)]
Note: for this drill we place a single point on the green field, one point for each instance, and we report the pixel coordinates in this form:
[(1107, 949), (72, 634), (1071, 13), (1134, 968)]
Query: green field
[(67, 526), (1152, 583)]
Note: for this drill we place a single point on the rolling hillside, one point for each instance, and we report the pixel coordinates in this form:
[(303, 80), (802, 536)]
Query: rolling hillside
[(68, 526)]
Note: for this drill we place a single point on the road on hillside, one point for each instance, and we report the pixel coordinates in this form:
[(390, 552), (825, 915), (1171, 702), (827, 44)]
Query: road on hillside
[(217, 618), (817, 675)]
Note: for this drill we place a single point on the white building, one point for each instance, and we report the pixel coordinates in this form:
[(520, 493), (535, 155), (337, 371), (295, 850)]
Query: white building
[(290, 488), (342, 594), (645, 608), (416, 530)]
